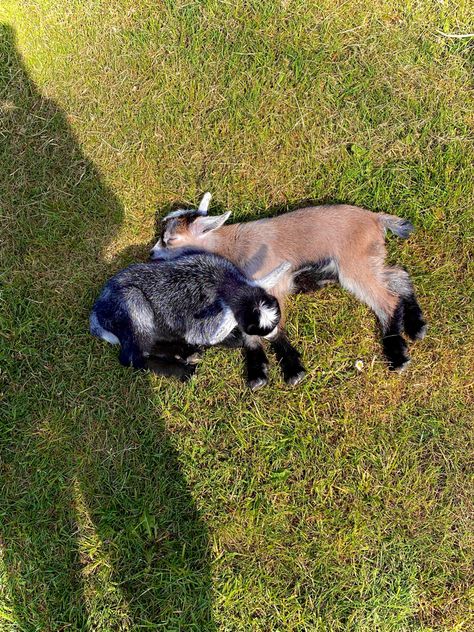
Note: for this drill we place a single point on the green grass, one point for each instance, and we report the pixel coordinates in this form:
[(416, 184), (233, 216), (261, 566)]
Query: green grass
[(129, 502)]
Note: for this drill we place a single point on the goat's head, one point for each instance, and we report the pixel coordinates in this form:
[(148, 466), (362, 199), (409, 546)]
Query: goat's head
[(258, 314), (188, 227)]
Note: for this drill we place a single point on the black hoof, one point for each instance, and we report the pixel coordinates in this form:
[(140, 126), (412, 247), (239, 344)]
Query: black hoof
[(256, 364), (257, 383), (398, 363), (400, 368), (416, 330), (396, 353), (194, 358), (421, 333), (257, 376), (295, 379)]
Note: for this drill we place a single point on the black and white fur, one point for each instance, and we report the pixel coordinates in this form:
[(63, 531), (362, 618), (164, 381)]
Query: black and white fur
[(325, 244), (186, 299)]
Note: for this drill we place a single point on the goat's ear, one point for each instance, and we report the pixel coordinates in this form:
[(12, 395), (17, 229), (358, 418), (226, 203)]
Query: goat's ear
[(204, 203), (203, 225), (272, 278)]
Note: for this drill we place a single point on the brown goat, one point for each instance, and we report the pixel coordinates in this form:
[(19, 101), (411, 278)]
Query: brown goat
[(335, 243)]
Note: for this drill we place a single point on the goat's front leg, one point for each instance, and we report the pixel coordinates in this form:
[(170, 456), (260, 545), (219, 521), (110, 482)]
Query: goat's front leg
[(256, 362), (174, 358), (177, 350), (288, 358), (171, 367)]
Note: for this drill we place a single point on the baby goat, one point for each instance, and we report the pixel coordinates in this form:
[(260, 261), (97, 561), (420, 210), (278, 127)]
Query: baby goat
[(187, 296), (324, 244)]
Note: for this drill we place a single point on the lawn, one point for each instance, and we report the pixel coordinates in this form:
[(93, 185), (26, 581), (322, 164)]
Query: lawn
[(132, 502)]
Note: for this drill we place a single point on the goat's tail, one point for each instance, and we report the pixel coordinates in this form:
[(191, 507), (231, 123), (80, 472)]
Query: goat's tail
[(397, 225)]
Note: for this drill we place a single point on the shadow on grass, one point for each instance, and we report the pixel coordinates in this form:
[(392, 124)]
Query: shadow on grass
[(98, 528)]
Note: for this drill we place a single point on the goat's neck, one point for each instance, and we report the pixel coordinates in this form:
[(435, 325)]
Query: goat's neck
[(223, 241)]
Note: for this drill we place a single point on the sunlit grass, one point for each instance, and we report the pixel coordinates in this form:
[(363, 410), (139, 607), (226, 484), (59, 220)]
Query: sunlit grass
[(130, 502)]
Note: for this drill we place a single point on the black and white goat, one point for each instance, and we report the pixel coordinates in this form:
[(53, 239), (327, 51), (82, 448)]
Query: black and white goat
[(187, 299), (324, 244)]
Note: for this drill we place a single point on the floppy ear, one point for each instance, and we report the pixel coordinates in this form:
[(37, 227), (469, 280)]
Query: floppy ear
[(203, 225), (272, 278), (204, 203)]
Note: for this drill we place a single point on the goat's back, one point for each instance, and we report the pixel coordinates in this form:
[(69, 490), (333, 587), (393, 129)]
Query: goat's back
[(340, 232), (178, 296)]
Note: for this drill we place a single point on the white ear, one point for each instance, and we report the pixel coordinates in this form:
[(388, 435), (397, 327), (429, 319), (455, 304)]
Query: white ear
[(204, 203), (203, 225), (272, 278)]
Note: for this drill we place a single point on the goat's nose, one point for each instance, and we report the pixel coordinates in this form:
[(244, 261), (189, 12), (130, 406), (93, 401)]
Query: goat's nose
[(154, 252)]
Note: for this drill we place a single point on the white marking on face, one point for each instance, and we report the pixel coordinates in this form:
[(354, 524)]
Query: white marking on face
[(268, 316)]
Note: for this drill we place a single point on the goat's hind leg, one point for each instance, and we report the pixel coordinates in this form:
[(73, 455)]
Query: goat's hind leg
[(174, 358), (394, 346), (131, 354), (314, 275), (385, 293), (413, 322), (409, 311)]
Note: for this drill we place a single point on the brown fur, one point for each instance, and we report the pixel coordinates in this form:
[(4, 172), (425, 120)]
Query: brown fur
[(354, 238)]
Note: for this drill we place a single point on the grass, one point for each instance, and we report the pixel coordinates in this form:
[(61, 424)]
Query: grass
[(129, 502)]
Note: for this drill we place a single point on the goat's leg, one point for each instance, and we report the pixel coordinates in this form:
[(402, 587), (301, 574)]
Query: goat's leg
[(385, 291), (131, 354), (413, 322), (394, 347), (313, 276), (177, 350), (288, 358), (399, 283), (256, 362), (171, 367)]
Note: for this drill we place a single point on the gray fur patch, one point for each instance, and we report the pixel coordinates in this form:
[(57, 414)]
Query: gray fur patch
[(398, 281), (186, 295)]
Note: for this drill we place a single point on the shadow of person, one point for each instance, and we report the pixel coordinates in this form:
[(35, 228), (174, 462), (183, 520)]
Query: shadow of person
[(98, 529)]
